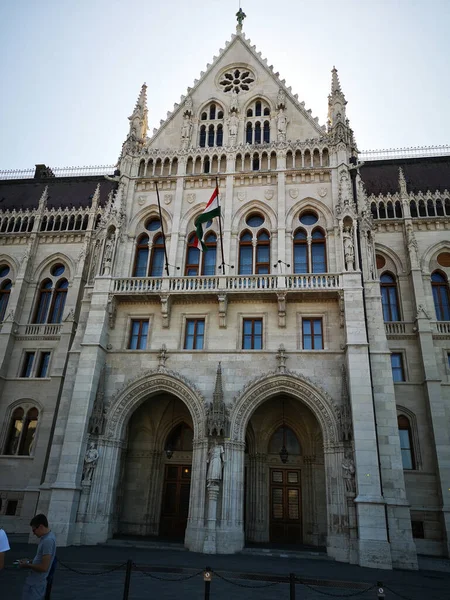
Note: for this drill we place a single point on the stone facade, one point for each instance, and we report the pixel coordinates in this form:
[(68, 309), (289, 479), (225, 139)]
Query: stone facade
[(164, 387)]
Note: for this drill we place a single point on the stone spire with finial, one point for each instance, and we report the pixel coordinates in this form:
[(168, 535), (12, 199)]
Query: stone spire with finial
[(139, 118), (217, 415), (336, 101)]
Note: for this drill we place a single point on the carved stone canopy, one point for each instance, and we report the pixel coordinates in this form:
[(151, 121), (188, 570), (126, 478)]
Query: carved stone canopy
[(217, 418)]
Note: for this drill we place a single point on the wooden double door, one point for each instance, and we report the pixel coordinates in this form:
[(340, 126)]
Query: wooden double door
[(175, 501), (285, 506)]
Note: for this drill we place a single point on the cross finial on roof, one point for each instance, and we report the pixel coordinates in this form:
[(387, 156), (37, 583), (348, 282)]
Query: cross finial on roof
[(240, 15)]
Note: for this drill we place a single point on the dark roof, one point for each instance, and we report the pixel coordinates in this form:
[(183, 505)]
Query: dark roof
[(62, 191), (421, 174)]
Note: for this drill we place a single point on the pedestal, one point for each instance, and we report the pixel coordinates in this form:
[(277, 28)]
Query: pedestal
[(209, 545)]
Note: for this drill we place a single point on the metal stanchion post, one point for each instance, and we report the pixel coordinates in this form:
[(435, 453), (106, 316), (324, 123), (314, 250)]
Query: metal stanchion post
[(291, 586), (126, 587), (207, 576), (380, 590)]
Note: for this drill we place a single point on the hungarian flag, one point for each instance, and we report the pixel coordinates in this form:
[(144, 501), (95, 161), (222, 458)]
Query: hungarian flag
[(212, 209)]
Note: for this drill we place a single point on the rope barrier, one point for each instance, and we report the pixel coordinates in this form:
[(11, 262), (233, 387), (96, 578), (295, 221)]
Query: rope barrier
[(159, 578), (116, 568)]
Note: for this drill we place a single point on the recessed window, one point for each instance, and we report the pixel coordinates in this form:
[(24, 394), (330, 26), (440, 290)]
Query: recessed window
[(308, 218), (57, 270), (194, 334), (22, 429), (11, 507), (139, 334), (389, 297), (27, 366), (5, 291), (44, 360), (381, 261), (443, 259), (439, 286), (236, 81), (4, 270), (404, 431), (252, 334), (255, 220), (153, 224), (398, 372), (417, 530), (312, 334)]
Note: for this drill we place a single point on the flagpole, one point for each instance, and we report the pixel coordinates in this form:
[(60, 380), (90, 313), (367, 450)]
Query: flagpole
[(220, 228), (162, 229)]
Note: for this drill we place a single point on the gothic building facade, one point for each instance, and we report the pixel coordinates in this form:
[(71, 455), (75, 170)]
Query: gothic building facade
[(288, 385)]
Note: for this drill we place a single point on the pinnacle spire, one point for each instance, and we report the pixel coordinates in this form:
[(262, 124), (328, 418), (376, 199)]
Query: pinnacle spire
[(138, 120), (218, 389), (335, 83), (141, 103)]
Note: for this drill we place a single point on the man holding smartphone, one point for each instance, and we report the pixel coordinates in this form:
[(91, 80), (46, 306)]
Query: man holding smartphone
[(36, 582)]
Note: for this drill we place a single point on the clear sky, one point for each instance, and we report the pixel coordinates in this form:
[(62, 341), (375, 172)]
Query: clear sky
[(71, 70)]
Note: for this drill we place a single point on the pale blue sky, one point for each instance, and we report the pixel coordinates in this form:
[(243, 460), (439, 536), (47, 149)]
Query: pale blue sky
[(71, 71)]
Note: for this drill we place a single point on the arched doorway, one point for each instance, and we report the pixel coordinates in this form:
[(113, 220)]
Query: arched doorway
[(285, 491), (156, 470)]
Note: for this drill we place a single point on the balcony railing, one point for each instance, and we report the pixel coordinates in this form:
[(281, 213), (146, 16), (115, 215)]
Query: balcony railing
[(41, 330), (443, 327), (399, 328), (225, 283)]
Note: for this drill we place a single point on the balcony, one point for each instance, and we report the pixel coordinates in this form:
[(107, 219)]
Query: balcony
[(399, 329), (38, 331), (441, 329), (316, 282)]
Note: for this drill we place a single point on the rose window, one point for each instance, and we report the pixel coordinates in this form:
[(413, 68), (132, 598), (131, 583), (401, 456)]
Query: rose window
[(237, 80)]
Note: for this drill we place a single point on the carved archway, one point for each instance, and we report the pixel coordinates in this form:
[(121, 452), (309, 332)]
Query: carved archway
[(146, 385), (296, 386)]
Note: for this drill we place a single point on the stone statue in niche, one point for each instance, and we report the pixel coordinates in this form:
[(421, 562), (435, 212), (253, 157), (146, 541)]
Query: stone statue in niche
[(234, 105), (215, 463), (188, 106), (186, 131), (412, 245), (107, 256), (349, 248), (90, 462), (348, 473), (233, 123), (95, 254), (281, 125)]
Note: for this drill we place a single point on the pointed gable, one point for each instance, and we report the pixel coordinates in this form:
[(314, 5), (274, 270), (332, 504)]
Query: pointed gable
[(237, 55)]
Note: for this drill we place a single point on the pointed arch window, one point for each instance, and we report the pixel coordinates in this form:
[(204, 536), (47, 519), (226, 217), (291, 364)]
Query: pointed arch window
[(249, 133), (266, 132), (209, 257), (439, 285), (262, 265), (181, 438), (192, 257), (219, 136), (300, 252), (284, 435), (141, 257), (257, 132), (59, 301), (21, 433), (157, 257), (246, 253), (45, 296), (211, 136), (389, 297), (406, 445), (255, 162), (202, 136), (212, 112), (257, 109), (5, 292), (318, 253)]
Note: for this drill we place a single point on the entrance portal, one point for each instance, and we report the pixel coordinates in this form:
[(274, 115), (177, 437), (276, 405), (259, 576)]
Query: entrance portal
[(175, 501), (285, 506)]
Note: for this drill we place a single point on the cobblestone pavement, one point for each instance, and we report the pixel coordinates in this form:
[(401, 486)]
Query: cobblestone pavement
[(172, 567)]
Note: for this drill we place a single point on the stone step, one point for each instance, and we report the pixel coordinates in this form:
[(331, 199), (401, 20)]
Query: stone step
[(283, 553), (146, 544)]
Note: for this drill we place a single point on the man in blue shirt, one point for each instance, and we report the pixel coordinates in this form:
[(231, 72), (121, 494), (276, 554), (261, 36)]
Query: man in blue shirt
[(36, 582)]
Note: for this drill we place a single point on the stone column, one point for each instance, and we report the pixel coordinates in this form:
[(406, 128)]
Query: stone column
[(337, 518), (227, 217), (173, 252), (195, 530), (66, 489), (209, 546), (258, 492), (373, 546), (155, 477), (281, 205), (230, 535)]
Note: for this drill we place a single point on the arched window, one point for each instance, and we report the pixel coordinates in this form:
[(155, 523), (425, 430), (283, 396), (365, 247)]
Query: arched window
[(45, 295), (246, 253), (5, 292), (219, 136), (439, 286), (300, 252), (266, 132), (262, 265), (212, 111), (202, 136), (59, 301), (192, 257), (141, 257), (318, 254), (209, 257), (406, 446), (255, 162), (211, 136), (157, 257), (21, 432), (257, 132), (204, 116), (249, 133), (389, 297), (206, 165), (257, 109), (284, 435)]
